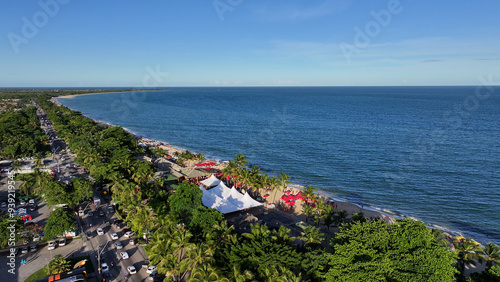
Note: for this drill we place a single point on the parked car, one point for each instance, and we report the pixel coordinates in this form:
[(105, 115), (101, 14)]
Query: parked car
[(33, 248), (131, 242), (119, 245), (4, 204), (152, 276), (100, 231), (91, 213), (90, 234), (32, 207), (124, 255), (115, 236), (25, 250), (81, 212), (62, 242), (151, 269), (131, 269), (129, 234), (52, 245), (101, 213)]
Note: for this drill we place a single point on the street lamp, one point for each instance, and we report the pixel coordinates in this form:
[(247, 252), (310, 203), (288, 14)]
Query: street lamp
[(99, 252)]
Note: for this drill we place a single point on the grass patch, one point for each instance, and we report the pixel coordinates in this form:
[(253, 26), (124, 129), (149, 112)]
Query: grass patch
[(44, 271), (39, 274)]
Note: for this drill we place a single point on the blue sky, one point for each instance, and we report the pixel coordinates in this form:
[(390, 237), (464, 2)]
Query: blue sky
[(72, 43)]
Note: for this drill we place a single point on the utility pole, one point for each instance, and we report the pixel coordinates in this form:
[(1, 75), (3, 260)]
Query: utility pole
[(99, 254)]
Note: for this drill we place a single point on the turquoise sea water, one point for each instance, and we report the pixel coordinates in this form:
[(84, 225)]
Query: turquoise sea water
[(432, 153)]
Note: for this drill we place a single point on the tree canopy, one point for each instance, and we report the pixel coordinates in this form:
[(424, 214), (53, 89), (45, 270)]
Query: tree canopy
[(376, 251)]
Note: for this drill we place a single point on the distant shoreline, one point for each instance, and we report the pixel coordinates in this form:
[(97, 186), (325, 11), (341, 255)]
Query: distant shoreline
[(99, 93)]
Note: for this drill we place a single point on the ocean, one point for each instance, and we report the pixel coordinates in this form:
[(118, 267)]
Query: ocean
[(430, 153)]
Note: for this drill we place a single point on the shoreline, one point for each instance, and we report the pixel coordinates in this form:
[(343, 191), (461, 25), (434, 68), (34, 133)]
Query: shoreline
[(100, 93), (368, 210)]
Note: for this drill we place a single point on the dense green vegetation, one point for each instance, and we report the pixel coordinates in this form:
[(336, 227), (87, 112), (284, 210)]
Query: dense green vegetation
[(194, 243), (21, 135), (59, 222)]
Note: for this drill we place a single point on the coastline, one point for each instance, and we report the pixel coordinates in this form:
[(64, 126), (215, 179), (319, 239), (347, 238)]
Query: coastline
[(99, 93), (342, 204)]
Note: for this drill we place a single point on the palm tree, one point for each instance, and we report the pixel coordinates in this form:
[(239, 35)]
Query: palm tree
[(313, 236), (283, 180), (240, 160), (439, 236), (308, 211), (468, 251), (259, 232), (38, 161), (202, 254), (282, 236), (328, 217), (16, 165), (340, 217), (309, 193), (491, 255), (221, 234), (206, 273), (58, 265), (238, 276)]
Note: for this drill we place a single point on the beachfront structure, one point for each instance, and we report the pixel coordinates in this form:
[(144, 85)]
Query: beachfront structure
[(227, 200)]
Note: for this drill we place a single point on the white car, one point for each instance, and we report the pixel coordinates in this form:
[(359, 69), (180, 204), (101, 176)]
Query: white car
[(100, 231), (129, 234), (124, 255), (131, 269), (114, 236), (62, 242), (151, 269), (52, 245)]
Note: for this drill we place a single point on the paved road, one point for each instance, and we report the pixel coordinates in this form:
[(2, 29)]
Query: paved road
[(107, 247)]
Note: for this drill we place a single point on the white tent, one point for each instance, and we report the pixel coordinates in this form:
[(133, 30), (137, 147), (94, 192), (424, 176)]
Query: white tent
[(227, 200), (211, 181), (221, 190), (211, 200)]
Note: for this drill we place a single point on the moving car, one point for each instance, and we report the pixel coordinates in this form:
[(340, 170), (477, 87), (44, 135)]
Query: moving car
[(124, 255), (52, 245), (62, 242), (104, 267), (33, 248), (25, 250), (131, 269)]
